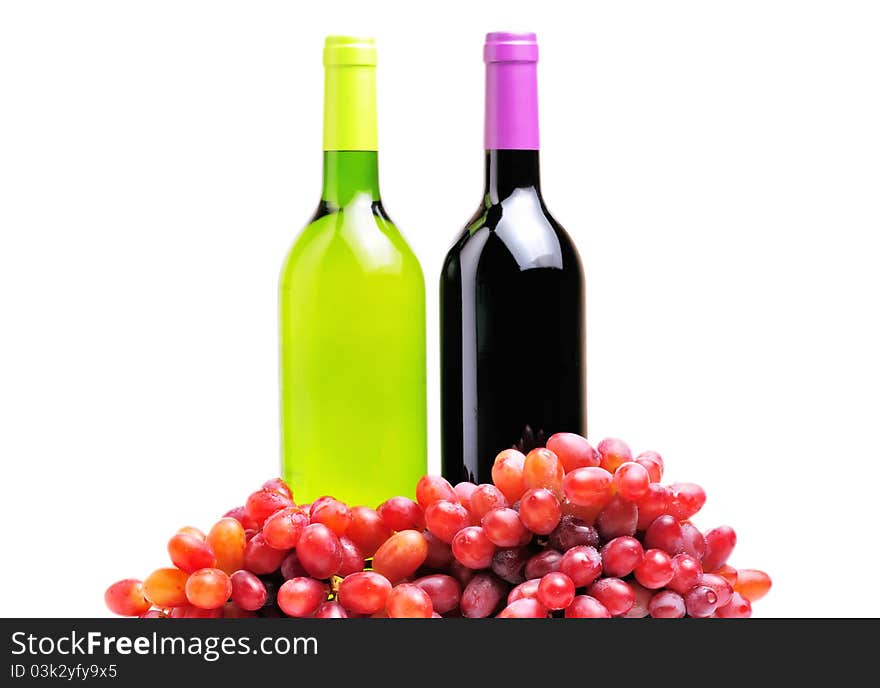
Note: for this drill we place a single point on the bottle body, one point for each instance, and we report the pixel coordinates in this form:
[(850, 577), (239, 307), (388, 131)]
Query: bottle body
[(352, 339), (513, 358), (352, 313)]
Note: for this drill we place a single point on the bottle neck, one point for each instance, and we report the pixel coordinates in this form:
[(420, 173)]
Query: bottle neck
[(348, 174), (350, 107), (509, 170), (351, 166), (512, 106)]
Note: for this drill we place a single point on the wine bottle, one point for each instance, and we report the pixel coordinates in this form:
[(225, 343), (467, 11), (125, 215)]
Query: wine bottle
[(352, 315), (513, 363)]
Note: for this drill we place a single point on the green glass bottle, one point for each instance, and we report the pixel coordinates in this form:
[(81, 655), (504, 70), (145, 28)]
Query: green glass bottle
[(352, 316)]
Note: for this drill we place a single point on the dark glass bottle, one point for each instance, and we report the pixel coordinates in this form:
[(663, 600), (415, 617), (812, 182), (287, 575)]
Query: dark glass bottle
[(513, 362)]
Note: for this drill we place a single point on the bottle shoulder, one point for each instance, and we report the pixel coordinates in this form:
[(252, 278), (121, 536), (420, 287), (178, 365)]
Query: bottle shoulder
[(519, 229), (359, 237)]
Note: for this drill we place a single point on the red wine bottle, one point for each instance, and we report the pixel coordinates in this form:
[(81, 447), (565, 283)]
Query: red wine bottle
[(513, 359)]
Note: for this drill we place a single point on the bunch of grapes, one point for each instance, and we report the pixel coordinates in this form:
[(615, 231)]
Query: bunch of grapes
[(567, 530)]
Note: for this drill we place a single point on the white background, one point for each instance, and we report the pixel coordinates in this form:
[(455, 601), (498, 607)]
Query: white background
[(718, 165)]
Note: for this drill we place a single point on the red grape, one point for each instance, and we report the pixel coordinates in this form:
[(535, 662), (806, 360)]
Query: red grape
[(642, 600), (728, 573), (365, 592), (573, 451), (701, 601), (582, 564), (543, 563), (621, 555), (332, 513), (693, 542), (433, 488), (195, 532), (652, 505), (556, 590), (612, 453), (248, 591), (665, 533), (686, 573), (352, 557), (485, 498), (542, 468), (507, 474), (503, 527), (619, 517), (527, 588), (572, 532), (166, 587), (283, 528), (472, 548), (482, 596), (401, 555), (631, 481), (653, 463), (752, 584), (188, 611), (460, 572), (655, 569), (208, 588), (617, 597), (667, 604), (260, 558), (331, 610), (586, 514), (439, 553), (444, 591), (685, 500), (233, 611), (126, 598), (408, 601), (227, 540), (319, 551), (315, 505), (291, 568), (444, 519), (402, 513), (722, 588), (586, 607), (464, 490), (279, 485), (189, 553), (265, 502), (588, 486), (300, 597), (526, 608), (738, 608), (367, 530), (720, 542), (508, 564), (539, 510), (240, 514)]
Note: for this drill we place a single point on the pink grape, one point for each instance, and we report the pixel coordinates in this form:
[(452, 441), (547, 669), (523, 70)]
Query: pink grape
[(616, 596), (619, 517), (667, 604), (586, 607), (573, 451), (582, 564), (526, 608), (556, 590), (655, 569), (621, 555), (631, 481)]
